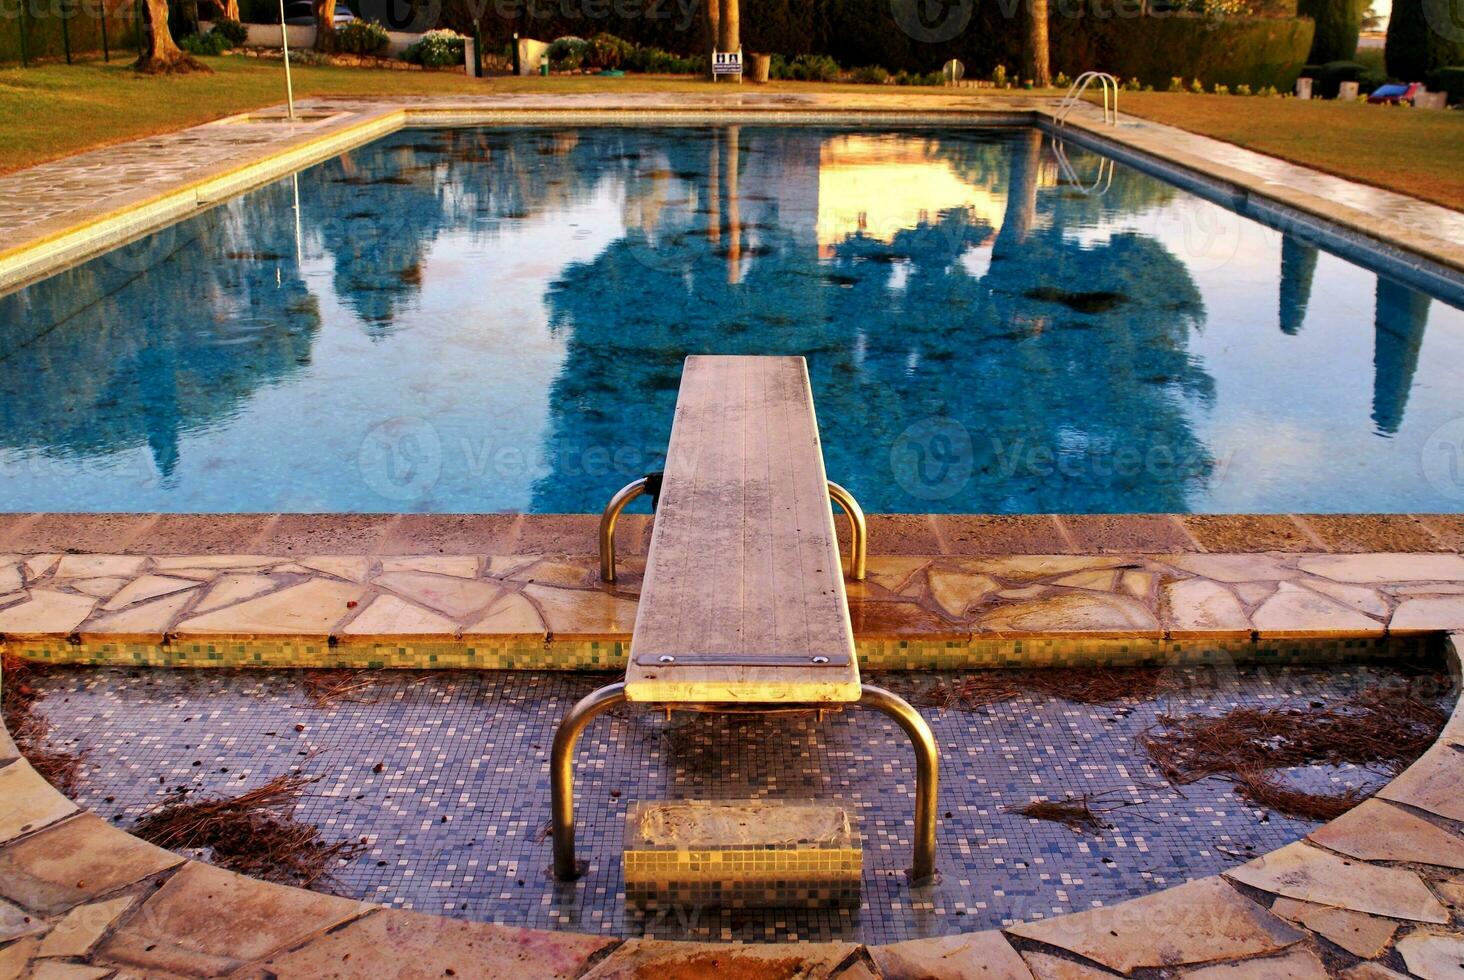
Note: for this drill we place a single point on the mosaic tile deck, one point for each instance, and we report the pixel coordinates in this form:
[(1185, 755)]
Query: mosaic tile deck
[(445, 775)]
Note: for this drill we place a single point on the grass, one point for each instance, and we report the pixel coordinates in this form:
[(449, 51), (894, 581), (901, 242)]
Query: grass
[(119, 105), (1406, 150), (1412, 152)]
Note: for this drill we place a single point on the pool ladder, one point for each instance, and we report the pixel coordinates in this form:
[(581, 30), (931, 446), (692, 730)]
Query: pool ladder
[(1080, 86)]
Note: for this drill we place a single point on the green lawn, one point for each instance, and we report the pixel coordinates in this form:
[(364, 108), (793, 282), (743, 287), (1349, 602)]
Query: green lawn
[(1407, 150), (51, 111), (117, 104)]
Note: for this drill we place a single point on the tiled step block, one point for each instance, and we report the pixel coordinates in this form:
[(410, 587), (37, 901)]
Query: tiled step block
[(741, 854)]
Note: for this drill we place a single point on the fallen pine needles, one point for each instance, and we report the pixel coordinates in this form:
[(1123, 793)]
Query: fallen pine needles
[(1083, 685), (1082, 813), (254, 833), (324, 688), (1387, 726), (18, 698)]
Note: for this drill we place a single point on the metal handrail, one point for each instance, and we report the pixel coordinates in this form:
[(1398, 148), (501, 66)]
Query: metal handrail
[(1075, 95), (651, 484)]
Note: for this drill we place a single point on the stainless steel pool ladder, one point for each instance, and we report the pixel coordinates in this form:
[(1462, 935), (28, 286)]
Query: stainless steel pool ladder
[(1080, 86)]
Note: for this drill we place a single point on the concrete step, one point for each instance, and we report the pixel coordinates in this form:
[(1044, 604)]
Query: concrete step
[(742, 854)]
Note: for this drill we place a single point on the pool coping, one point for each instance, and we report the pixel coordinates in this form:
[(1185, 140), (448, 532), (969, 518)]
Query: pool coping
[(1369, 891), (68, 239)]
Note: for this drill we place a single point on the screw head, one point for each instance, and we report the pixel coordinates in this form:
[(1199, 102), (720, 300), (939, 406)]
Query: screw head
[(666, 658), (820, 660)]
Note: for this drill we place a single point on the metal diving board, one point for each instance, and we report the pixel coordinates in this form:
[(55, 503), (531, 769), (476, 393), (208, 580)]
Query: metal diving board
[(742, 607)]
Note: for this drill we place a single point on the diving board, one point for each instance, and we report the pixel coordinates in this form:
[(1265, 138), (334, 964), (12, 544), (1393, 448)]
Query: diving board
[(743, 607), (743, 598)]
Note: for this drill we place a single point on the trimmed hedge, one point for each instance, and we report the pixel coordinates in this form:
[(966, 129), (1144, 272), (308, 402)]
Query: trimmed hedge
[(1449, 80), (43, 34), (1235, 51)]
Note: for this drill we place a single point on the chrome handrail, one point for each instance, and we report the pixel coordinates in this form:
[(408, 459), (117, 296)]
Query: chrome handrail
[(1075, 95)]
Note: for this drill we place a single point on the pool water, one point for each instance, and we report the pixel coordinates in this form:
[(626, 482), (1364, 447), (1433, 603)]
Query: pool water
[(494, 318)]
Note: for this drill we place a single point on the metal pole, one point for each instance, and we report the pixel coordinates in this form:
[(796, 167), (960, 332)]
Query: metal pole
[(477, 50), (927, 774), (137, 25), (617, 503), (561, 772), (858, 530), (66, 30), (24, 53), (285, 49), (106, 48)]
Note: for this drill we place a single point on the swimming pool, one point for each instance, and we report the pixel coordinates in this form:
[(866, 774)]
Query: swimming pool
[(494, 318)]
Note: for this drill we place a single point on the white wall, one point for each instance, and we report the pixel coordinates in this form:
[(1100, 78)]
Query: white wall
[(303, 36)]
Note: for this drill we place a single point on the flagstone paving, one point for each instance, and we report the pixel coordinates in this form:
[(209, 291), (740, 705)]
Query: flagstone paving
[(366, 609)]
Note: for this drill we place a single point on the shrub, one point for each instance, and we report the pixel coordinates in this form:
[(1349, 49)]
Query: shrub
[(1449, 80), (1414, 48), (1338, 23), (235, 32), (361, 37), (1197, 87), (606, 51), (567, 53), (1242, 89), (657, 61), (204, 44), (1221, 89), (1269, 92), (871, 75), (1333, 74), (999, 76), (805, 68), (437, 49), (1061, 80), (916, 78), (1176, 84)]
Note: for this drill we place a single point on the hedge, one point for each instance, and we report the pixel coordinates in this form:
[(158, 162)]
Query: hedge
[(1234, 51), (43, 34), (1449, 80)]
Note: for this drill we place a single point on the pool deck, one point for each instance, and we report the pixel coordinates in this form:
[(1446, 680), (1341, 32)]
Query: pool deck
[(62, 212)]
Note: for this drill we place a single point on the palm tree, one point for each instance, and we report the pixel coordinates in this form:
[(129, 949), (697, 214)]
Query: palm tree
[(1038, 65), (325, 25), (160, 54)]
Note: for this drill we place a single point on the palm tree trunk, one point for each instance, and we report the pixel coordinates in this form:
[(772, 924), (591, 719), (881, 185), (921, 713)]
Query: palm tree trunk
[(731, 29), (325, 25), (1038, 67), (160, 55)]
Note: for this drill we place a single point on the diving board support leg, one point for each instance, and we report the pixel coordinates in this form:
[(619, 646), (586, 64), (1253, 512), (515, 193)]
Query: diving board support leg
[(561, 770), (651, 484), (858, 530), (927, 775)]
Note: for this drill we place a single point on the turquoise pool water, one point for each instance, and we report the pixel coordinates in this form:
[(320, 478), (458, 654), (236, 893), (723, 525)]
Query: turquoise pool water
[(488, 319)]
